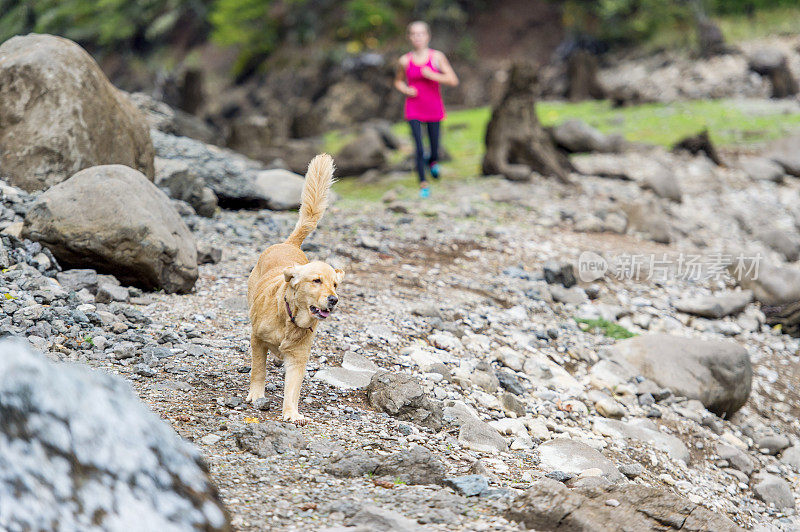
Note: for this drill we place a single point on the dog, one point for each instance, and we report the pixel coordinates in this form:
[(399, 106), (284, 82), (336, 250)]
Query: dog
[(288, 296)]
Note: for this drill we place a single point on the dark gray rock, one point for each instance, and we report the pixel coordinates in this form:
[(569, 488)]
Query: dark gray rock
[(208, 254), (560, 476), (180, 182), (82, 441), (377, 519), (468, 485), (562, 273), (509, 381), (107, 293), (402, 396), (269, 438), (78, 279), (355, 463), (173, 121), (365, 152), (237, 181), (549, 505), (414, 466)]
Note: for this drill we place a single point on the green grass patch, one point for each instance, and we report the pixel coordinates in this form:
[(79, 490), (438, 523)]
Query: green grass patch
[(731, 123), (609, 329), (764, 23)]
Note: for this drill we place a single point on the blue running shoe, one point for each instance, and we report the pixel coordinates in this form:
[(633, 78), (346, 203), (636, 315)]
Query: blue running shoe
[(435, 170), (424, 192)]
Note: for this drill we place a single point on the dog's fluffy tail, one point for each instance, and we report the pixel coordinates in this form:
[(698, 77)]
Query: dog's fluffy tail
[(319, 179)]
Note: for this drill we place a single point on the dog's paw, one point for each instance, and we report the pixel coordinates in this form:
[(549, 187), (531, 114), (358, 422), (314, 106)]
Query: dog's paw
[(297, 418), (252, 396)]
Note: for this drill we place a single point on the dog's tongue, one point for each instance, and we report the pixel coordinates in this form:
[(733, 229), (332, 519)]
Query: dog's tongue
[(324, 313)]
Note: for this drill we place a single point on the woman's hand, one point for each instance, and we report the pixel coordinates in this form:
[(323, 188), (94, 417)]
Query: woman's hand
[(411, 92), (428, 73)]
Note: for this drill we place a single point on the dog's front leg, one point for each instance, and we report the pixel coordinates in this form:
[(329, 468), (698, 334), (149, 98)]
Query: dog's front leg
[(295, 370), (258, 369)]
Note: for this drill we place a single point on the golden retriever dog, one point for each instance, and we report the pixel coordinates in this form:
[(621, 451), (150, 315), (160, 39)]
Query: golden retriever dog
[(288, 296)]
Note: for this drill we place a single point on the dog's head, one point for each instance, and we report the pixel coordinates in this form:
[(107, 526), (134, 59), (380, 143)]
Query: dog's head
[(313, 290)]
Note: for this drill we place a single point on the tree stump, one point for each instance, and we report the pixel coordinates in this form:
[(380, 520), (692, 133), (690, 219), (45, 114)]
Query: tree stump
[(582, 83), (516, 143), (710, 38)]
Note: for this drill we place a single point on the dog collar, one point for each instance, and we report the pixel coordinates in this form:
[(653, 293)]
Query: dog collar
[(291, 318)]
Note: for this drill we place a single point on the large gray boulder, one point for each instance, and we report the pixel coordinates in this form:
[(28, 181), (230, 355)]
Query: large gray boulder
[(550, 505), (715, 372), (79, 451), (237, 181), (173, 121), (112, 219), (59, 114)]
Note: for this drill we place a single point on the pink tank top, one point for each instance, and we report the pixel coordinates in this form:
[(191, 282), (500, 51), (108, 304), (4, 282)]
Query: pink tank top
[(427, 105)]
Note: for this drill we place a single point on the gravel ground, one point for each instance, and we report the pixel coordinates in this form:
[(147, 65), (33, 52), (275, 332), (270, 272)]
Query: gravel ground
[(449, 290)]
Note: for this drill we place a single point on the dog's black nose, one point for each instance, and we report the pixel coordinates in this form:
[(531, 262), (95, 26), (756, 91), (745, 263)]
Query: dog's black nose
[(332, 300)]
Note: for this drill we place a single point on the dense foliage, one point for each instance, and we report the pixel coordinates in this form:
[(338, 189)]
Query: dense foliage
[(632, 21), (108, 23), (257, 27)]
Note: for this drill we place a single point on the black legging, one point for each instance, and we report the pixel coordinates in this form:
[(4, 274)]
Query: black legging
[(433, 137)]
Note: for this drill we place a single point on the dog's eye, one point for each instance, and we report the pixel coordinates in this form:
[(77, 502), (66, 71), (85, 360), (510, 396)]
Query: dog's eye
[(318, 281)]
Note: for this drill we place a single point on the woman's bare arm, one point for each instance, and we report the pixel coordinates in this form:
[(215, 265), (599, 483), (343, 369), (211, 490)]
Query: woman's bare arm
[(447, 76), (400, 79)]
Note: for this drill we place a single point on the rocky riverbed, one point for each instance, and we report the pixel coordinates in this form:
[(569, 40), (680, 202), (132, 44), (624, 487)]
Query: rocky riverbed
[(496, 401)]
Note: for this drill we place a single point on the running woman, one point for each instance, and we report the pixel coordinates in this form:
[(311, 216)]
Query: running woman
[(420, 73)]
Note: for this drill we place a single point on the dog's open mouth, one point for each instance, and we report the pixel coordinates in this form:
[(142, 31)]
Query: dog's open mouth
[(319, 313)]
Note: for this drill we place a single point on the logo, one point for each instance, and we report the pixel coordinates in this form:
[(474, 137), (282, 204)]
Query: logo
[(591, 266)]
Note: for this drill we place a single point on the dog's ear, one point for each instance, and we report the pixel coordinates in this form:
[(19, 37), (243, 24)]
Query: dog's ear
[(290, 275), (339, 275)]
